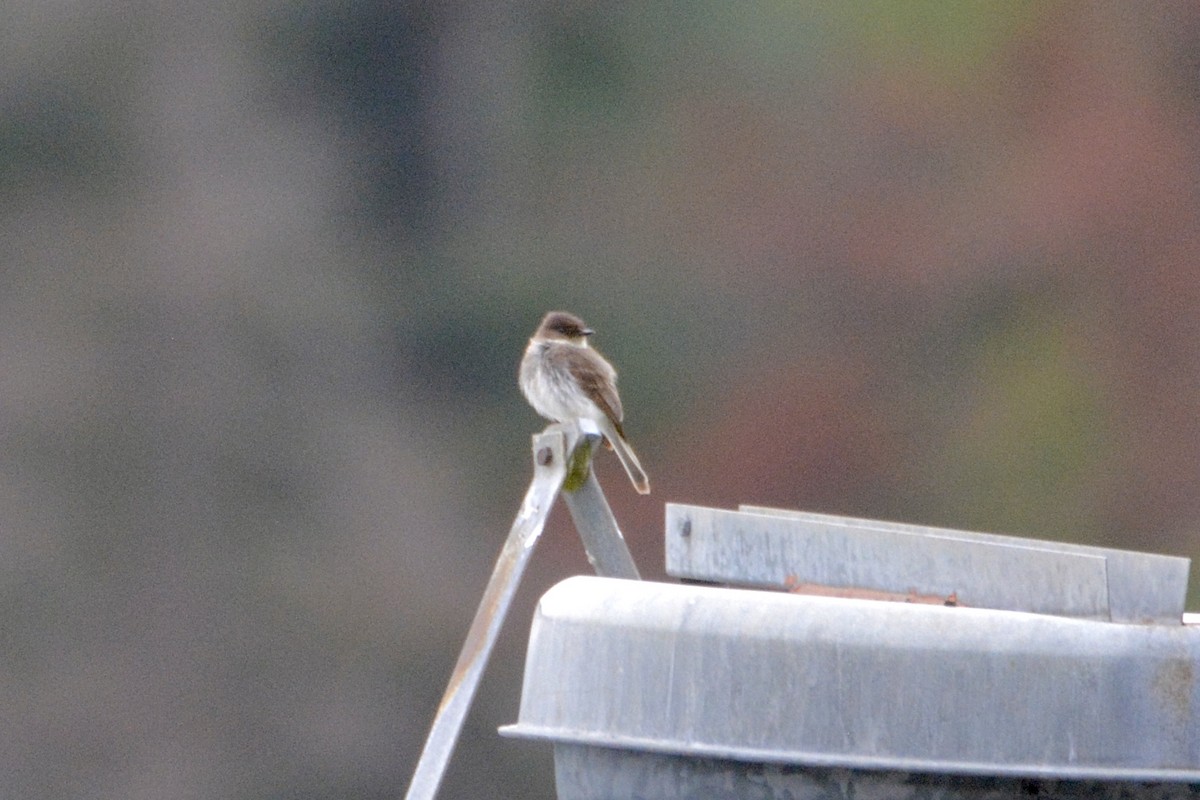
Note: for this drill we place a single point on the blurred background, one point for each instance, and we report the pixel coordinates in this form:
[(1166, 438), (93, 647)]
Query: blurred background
[(268, 268)]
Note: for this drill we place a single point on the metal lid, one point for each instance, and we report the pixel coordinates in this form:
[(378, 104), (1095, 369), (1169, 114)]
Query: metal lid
[(774, 677)]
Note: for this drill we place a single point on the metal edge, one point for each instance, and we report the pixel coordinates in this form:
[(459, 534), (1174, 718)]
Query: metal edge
[(952, 533), (811, 759)]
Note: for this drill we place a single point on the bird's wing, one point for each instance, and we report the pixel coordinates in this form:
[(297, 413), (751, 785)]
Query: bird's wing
[(596, 378)]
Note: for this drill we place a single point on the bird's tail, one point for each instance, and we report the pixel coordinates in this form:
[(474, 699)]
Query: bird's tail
[(629, 459)]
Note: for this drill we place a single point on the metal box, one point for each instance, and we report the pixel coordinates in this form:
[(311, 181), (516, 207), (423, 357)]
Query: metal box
[(654, 690)]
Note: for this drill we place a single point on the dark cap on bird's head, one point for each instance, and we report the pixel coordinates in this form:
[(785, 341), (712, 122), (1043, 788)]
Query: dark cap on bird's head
[(562, 325)]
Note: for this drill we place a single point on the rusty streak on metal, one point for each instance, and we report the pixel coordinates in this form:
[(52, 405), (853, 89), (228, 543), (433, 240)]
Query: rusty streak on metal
[(477, 642), (795, 587)]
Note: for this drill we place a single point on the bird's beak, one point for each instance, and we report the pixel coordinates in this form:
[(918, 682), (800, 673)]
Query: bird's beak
[(588, 331)]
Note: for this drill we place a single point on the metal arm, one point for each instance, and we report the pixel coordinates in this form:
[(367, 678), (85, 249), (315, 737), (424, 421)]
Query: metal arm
[(561, 458)]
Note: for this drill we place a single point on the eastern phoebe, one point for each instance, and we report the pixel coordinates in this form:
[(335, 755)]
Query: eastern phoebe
[(564, 379)]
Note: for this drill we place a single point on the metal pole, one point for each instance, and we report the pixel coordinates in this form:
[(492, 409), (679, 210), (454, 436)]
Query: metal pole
[(562, 459), (597, 527), (550, 469)]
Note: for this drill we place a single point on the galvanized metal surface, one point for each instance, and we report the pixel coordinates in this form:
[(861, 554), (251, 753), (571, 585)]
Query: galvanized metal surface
[(1142, 587), (766, 550), (768, 677), (605, 773), (606, 549), (768, 547)]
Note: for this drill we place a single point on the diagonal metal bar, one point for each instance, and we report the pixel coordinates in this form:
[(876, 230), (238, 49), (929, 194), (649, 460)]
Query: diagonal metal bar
[(550, 470), (597, 527)]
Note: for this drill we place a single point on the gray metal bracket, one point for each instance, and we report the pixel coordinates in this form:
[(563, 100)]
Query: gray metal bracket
[(802, 551), (562, 456)]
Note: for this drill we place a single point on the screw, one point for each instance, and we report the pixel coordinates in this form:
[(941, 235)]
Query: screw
[(545, 457)]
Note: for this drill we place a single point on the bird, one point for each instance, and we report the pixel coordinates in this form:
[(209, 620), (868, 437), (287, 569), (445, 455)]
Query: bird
[(564, 379)]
